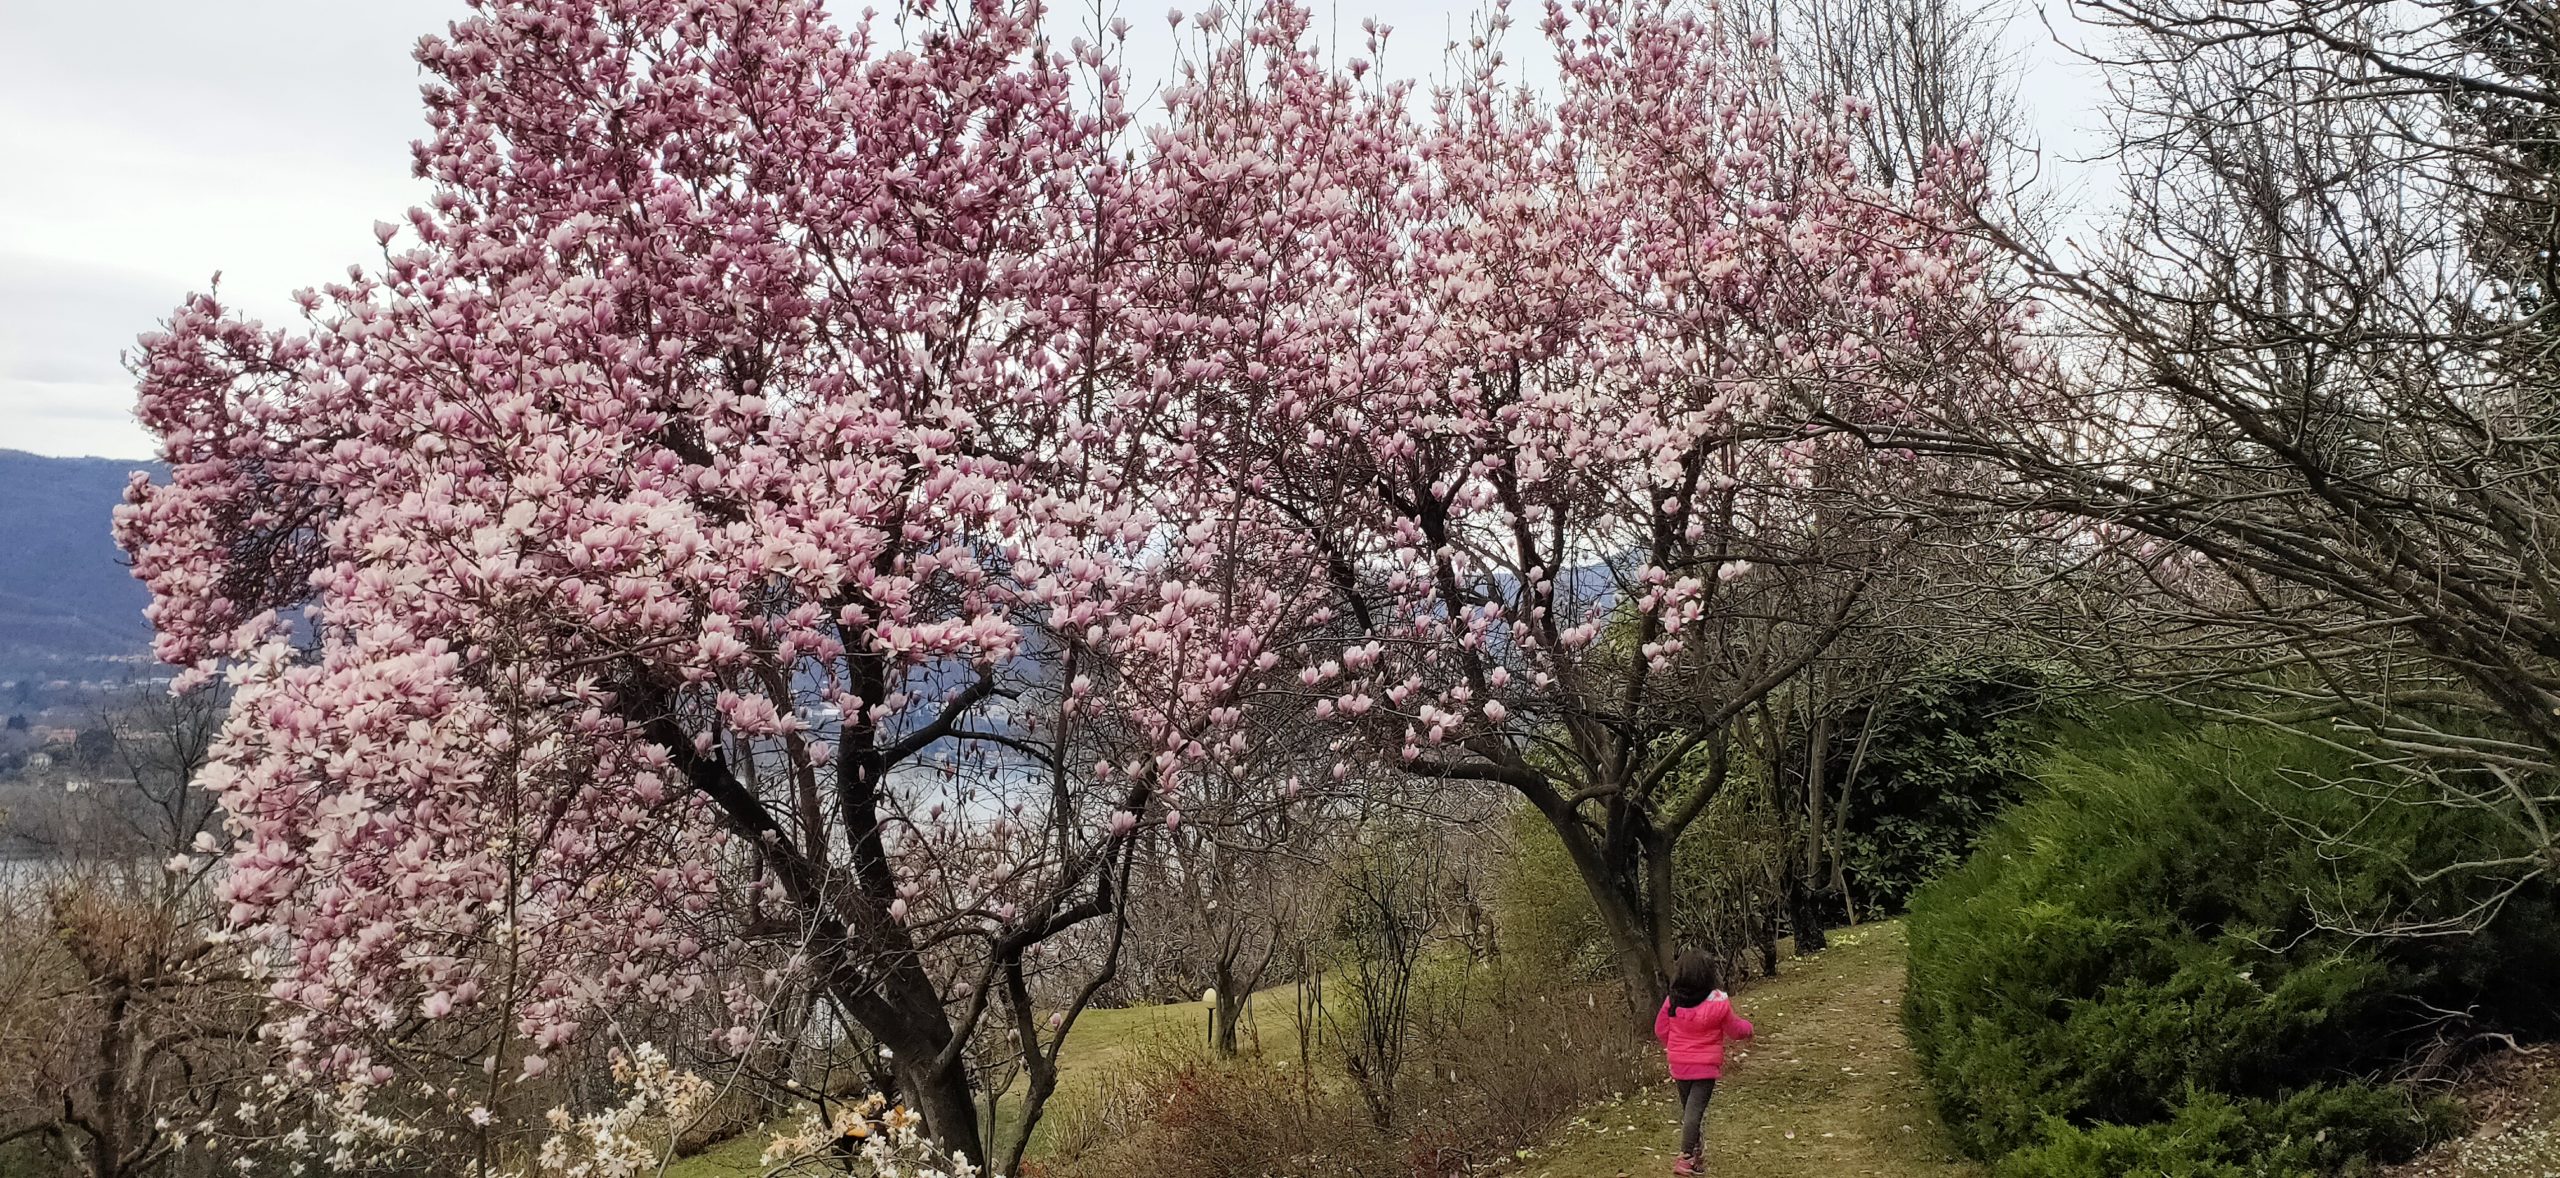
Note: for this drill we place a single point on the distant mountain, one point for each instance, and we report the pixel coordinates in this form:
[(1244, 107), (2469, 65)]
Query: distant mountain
[(66, 598)]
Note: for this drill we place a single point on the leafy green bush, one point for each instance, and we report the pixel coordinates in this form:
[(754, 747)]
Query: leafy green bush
[(1726, 876), (2140, 970), (1543, 910), (1725, 871), (1951, 748)]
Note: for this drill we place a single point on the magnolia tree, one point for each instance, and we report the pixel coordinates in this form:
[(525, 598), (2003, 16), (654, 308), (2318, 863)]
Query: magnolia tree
[(815, 495), (1535, 388), (737, 484)]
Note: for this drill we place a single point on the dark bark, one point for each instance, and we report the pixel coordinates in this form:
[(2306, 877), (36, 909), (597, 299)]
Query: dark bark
[(1804, 917), (1805, 908), (1769, 943), (946, 1100), (1227, 1011)]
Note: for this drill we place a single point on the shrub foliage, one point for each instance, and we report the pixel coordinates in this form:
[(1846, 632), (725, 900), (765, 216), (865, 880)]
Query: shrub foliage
[(1952, 748), (2162, 963)]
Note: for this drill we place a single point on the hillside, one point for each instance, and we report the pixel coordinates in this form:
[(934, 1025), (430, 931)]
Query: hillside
[(67, 602)]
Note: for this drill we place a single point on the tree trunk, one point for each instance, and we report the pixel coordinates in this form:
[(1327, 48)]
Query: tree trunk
[(105, 1155), (1769, 943), (1817, 759), (904, 1013), (1310, 1007), (1227, 1011), (942, 1096), (1637, 929), (1805, 909), (1641, 941), (1840, 816), (1804, 916)]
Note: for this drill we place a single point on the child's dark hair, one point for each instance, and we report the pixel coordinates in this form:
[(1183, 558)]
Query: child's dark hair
[(1693, 978)]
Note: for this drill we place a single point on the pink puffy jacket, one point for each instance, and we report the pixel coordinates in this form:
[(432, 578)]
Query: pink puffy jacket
[(1693, 1037)]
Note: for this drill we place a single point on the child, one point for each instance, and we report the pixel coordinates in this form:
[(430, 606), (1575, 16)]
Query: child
[(1693, 1024)]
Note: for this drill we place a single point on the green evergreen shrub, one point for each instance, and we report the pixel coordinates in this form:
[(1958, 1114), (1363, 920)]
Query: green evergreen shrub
[(2323, 1130), (2142, 971)]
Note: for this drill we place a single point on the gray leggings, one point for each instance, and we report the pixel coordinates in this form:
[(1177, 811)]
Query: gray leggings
[(1694, 1095)]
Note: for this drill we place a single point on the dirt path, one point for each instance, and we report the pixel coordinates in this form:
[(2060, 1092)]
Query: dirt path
[(1829, 1089)]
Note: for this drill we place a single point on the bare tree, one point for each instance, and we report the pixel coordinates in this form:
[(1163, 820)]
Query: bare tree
[(2303, 416), (124, 1027), (1241, 881), (1923, 76), (1386, 915)]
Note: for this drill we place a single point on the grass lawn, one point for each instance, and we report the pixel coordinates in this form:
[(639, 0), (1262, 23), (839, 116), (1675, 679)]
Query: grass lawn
[(1828, 1090)]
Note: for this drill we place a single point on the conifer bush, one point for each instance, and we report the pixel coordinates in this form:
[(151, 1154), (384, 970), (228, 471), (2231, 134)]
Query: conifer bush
[(2159, 964)]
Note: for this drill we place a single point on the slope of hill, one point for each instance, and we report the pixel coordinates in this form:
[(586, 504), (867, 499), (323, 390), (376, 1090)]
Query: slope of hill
[(67, 602)]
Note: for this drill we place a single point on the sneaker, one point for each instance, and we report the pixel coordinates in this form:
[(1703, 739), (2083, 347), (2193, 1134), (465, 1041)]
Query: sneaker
[(1684, 1167)]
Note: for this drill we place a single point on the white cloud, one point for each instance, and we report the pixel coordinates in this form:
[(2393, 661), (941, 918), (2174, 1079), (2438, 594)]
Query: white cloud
[(62, 325), (152, 143)]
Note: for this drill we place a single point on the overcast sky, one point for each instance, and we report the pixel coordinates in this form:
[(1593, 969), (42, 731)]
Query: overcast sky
[(149, 144)]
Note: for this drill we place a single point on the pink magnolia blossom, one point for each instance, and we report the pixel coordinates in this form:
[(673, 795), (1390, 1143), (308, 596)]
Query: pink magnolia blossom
[(1544, 389), (778, 451), (656, 526)]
